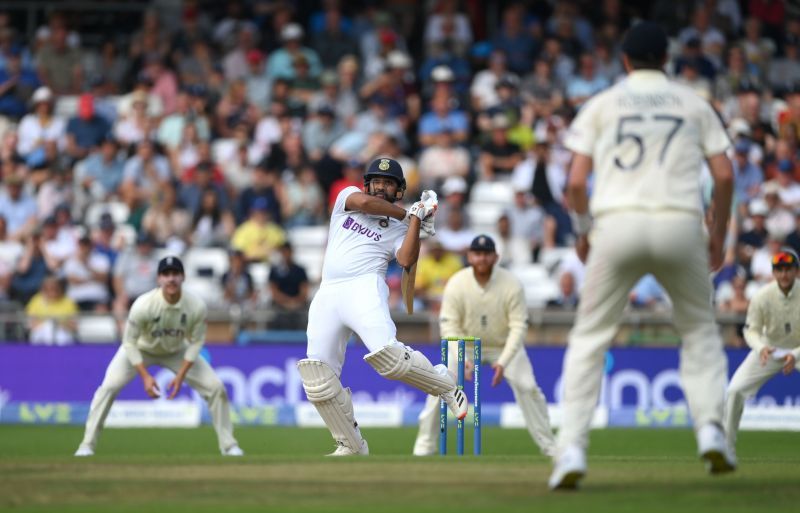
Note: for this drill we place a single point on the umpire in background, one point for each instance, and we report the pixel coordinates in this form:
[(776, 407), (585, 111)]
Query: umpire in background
[(488, 302)]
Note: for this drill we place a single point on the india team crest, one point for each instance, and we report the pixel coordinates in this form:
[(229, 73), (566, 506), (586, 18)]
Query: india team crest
[(384, 165)]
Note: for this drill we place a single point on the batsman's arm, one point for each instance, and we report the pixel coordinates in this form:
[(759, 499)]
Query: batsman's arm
[(517, 325), (372, 205), (754, 326)]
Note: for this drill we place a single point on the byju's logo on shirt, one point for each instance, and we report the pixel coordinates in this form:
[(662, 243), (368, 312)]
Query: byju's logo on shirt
[(353, 226)]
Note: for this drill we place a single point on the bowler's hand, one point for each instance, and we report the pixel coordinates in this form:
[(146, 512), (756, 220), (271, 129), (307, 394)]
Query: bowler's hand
[(788, 363), (765, 354), (174, 387), (582, 247), (498, 374), (716, 253), (151, 387), (469, 368)]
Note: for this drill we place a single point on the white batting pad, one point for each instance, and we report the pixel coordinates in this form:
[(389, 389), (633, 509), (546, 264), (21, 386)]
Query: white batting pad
[(400, 362), (325, 392)]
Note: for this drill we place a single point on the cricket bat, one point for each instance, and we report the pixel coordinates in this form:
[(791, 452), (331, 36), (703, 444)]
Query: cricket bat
[(407, 287)]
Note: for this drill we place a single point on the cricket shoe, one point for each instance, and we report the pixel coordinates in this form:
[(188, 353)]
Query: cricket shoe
[(713, 448), (345, 450), (84, 451), (233, 450), (570, 467), (457, 402)]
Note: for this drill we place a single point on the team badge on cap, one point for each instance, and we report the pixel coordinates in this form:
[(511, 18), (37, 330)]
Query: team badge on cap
[(384, 165)]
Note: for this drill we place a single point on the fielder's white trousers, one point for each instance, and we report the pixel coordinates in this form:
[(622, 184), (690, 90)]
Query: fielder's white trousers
[(201, 377), (359, 305), (625, 246), (745, 383), (520, 377)]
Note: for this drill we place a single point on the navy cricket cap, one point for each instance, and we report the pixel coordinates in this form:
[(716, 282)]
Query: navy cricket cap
[(482, 243), (385, 167), (170, 263), (645, 41)]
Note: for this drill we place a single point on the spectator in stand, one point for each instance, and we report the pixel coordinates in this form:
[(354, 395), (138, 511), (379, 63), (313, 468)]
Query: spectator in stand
[(761, 264), (433, 270), (17, 85), (134, 274), (482, 90), (693, 56), (17, 208), (789, 189), (352, 176), (586, 83), (540, 89), (137, 125), (531, 229), (87, 273), (59, 65), (51, 314), (442, 160), (235, 63), (756, 236), (259, 236), (648, 294), (515, 40), (171, 130), (455, 236), (320, 132), (98, 177), (780, 220), (757, 49), (41, 131), (748, 176), (304, 201), (87, 130), (212, 224), (266, 185), (344, 101), (169, 224), (332, 42), (793, 239), (196, 181), (233, 109), (107, 240), (279, 64), (441, 117), (257, 83), (237, 284), (567, 293), (734, 299), (499, 156), (59, 249), (165, 82), (288, 285), (144, 174), (33, 265), (786, 68)]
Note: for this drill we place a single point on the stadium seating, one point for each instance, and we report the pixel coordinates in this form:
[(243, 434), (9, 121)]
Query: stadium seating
[(119, 212), (97, 329), (205, 262)]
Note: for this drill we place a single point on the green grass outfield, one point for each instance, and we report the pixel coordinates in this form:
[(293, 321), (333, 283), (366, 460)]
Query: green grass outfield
[(165, 470)]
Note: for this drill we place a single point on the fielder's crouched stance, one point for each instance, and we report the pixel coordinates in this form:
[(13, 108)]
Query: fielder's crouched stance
[(366, 232), (167, 328)]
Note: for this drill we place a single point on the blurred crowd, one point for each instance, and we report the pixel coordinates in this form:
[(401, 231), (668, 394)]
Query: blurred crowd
[(234, 123)]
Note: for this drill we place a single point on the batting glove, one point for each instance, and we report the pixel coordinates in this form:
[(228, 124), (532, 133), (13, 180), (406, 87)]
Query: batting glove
[(427, 229)]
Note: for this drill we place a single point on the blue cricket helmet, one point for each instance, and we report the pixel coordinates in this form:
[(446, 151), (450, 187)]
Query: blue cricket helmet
[(386, 167)]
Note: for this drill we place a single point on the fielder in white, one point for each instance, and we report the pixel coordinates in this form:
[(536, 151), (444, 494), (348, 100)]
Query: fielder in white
[(168, 328), (772, 331), (646, 139), (367, 231), (488, 302)]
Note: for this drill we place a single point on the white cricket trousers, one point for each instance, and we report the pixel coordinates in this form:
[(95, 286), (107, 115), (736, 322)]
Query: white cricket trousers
[(520, 377), (745, 383), (359, 305), (201, 377), (626, 245)]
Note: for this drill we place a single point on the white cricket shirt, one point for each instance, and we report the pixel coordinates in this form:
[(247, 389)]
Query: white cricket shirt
[(648, 138), (359, 243), (773, 319), (157, 327)]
